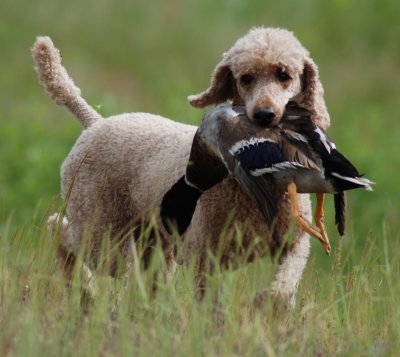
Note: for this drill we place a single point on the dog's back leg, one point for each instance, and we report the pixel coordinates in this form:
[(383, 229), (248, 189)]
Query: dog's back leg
[(65, 255)]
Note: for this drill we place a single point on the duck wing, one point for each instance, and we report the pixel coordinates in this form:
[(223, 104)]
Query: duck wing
[(252, 157), (262, 191), (297, 150), (298, 125), (343, 174)]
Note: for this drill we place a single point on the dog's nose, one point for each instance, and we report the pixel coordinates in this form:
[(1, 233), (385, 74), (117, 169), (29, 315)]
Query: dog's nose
[(264, 116)]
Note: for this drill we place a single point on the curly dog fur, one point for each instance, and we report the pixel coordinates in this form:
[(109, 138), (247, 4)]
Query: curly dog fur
[(120, 168)]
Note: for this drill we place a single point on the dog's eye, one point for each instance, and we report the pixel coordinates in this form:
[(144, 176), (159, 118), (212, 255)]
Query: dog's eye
[(282, 75), (246, 79)]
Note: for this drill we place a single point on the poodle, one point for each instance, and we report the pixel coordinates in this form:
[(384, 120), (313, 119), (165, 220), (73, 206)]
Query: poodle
[(263, 71), (118, 171)]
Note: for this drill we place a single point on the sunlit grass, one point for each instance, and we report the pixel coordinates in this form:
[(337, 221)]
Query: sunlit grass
[(351, 309)]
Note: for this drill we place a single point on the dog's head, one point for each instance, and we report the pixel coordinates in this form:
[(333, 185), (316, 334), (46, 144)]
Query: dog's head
[(263, 71)]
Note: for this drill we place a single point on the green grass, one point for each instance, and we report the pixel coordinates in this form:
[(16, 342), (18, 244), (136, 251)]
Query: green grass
[(349, 310), (148, 56)]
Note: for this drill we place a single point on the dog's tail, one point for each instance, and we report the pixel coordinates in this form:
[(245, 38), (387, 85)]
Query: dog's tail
[(60, 86)]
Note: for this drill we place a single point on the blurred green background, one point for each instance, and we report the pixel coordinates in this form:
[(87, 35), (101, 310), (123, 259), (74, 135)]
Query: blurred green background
[(149, 55)]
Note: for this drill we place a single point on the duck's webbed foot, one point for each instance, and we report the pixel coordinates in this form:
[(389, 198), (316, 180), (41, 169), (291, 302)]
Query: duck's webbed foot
[(319, 221), (318, 232)]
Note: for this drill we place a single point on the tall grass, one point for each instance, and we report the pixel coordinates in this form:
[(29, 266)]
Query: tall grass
[(148, 56), (349, 310)]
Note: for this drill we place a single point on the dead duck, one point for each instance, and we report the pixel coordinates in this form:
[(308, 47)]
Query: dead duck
[(295, 156)]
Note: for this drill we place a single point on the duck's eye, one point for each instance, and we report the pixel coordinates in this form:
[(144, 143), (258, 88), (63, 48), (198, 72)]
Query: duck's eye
[(282, 75), (246, 79)]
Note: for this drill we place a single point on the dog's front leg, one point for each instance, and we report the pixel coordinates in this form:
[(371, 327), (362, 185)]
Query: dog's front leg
[(290, 271), (291, 264)]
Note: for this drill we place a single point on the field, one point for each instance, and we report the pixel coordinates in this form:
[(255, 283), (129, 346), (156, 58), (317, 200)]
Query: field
[(148, 56)]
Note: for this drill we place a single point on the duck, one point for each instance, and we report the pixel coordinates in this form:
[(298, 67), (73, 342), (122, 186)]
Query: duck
[(294, 156)]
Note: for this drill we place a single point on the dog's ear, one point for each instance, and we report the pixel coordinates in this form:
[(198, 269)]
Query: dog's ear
[(313, 94), (222, 88)]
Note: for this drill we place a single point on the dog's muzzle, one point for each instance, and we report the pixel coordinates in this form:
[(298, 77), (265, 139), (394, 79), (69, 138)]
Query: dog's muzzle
[(264, 116)]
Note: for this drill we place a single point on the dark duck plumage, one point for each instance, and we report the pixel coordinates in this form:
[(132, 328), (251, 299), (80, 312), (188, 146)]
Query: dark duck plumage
[(296, 156)]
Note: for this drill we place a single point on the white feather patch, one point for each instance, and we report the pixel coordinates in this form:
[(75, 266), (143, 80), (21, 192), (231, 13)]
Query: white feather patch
[(231, 112), (285, 165), (358, 180), (329, 145), (191, 184), (242, 144)]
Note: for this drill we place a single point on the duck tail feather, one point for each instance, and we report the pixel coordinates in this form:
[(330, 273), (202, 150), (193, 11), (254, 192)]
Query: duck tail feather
[(340, 212)]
